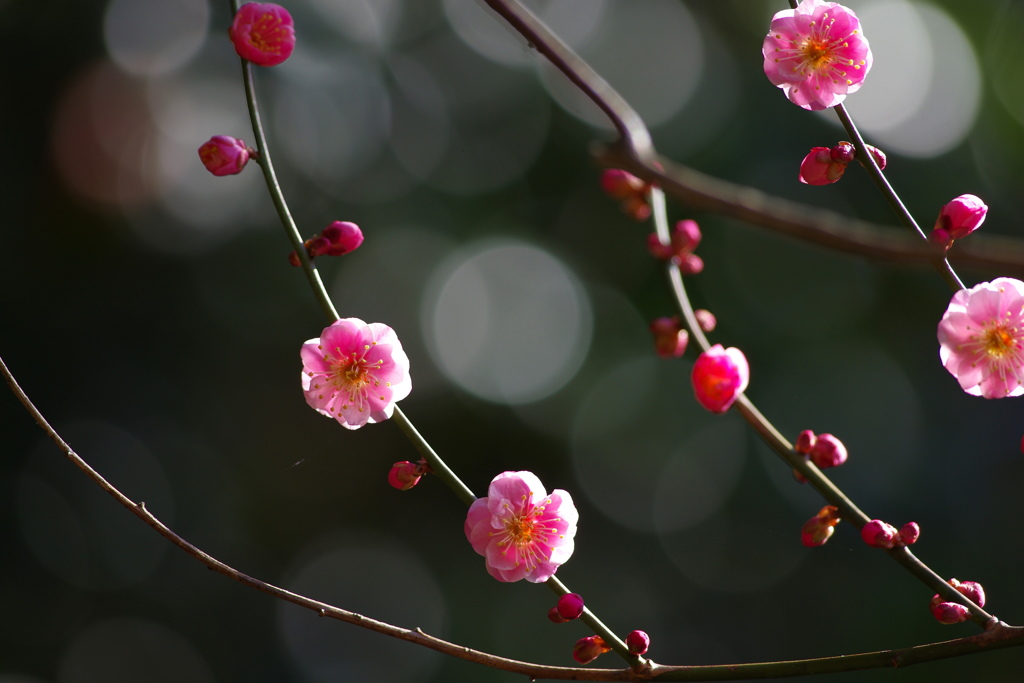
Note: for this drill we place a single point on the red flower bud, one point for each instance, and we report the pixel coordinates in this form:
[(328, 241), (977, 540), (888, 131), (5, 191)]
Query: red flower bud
[(588, 649), (637, 642), (570, 606)]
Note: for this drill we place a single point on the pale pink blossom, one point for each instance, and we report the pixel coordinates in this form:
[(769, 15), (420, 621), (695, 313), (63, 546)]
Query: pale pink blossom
[(263, 33), (981, 338), (719, 376), (816, 53), (355, 372), (522, 531)]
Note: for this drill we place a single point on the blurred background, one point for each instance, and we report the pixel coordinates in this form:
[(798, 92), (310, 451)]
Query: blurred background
[(149, 310)]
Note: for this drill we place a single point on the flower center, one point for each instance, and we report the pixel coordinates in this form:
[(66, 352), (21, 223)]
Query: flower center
[(352, 374), (520, 529), (817, 54), (1000, 341)]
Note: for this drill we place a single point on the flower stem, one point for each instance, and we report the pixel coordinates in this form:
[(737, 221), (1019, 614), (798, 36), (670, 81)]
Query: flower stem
[(868, 160), (437, 466)]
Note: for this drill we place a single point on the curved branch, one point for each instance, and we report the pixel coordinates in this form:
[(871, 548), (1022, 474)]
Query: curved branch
[(998, 636)]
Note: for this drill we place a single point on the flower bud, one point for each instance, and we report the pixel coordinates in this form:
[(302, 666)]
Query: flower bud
[(805, 442), (719, 376), (637, 642), (686, 236), (827, 451), (818, 529), (629, 190), (570, 606), (343, 237), (588, 649), (962, 216), (263, 33), (949, 612), (689, 264), (909, 533), (972, 590), (224, 155), (818, 167), (706, 319), (404, 475), (670, 339), (879, 156), (879, 534), (843, 153), (555, 617)]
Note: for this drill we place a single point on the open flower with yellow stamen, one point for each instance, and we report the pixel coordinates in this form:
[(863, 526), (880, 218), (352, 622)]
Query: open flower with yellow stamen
[(816, 53), (981, 338), (354, 372), (522, 532)]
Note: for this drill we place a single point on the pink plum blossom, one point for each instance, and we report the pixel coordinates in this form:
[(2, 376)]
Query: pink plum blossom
[(263, 33), (719, 376), (816, 53), (981, 338), (522, 532), (224, 155), (355, 372)]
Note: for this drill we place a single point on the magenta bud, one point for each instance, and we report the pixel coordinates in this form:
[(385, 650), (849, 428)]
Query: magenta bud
[(588, 649), (670, 339), (224, 155), (719, 376), (843, 153), (662, 252), (570, 606), (818, 168), (686, 235), (637, 642), (343, 237), (689, 264), (827, 451), (404, 475), (879, 534), (317, 246), (818, 529), (805, 442), (879, 156), (949, 612), (972, 590), (621, 184), (909, 533), (962, 216), (555, 617), (706, 319)]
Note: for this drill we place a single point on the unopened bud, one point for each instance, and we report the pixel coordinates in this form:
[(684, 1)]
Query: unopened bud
[(706, 319), (670, 339), (805, 442), (962, 216), (224, 155), (909, 533), (570, 606), (843, 153), (879, 534), (818, 529), (827, 451), (949, 612), (588, 649), (972, 590), (554, 616), (637, 642), (689, 264), (404, 475)]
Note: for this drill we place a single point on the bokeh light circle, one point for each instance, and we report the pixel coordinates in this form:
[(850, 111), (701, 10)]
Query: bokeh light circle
[(369, 575), (653, 58), (507, 321), (148, 38), (124, 650), (923, 93)]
